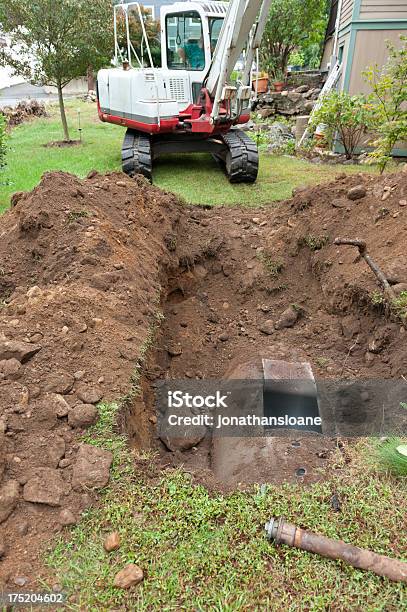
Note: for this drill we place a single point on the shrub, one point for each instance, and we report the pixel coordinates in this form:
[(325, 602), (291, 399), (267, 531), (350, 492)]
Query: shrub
[(347, 118)]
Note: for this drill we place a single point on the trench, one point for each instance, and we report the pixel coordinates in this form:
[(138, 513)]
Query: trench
[(214, 310)]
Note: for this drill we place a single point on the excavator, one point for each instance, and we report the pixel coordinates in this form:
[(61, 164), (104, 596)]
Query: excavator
[(190, 103)]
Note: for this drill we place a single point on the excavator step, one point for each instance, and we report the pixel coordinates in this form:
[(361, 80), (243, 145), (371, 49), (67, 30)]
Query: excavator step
[(242, 157), (137, 154)]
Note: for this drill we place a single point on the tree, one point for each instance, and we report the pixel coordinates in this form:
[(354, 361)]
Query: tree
[(291, 24), (153, 30), (389, 98), (52, 43)]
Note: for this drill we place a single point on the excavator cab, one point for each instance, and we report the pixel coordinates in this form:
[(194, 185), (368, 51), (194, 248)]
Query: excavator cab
[(188, 104)]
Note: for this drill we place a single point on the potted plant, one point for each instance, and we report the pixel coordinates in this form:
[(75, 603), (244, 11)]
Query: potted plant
[(278, 80), (261, 82)]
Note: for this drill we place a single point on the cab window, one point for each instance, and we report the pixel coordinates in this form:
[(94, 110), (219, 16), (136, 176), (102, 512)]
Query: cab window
[(215, 26), (185, 43)]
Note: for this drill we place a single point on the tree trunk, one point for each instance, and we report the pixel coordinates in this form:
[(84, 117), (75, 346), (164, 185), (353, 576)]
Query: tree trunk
[(91, 79), (62, 111)]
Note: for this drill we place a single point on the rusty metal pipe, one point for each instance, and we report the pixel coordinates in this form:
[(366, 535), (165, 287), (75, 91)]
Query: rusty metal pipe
[(281, 532)]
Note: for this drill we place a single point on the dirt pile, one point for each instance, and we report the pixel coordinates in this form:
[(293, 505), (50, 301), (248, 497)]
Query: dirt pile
[(23, 111), (90, 267), (81, 267)]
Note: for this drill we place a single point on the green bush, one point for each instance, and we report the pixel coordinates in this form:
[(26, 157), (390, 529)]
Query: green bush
[(346, 119)]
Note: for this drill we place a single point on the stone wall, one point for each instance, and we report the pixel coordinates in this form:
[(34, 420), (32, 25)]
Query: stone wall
[(298, 97)]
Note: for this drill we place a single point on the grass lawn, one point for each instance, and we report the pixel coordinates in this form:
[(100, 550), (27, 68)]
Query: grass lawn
[(207, 551), (196, 178)]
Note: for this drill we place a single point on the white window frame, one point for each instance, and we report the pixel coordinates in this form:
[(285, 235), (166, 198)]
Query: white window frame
[(151, 9)]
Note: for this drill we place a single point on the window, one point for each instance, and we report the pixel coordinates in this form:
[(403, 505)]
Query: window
[(215, 26), (149, 9), (189, 51)]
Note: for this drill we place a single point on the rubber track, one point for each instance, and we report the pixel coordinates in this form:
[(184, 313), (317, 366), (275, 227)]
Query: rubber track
[(136, 154), (242, 159)]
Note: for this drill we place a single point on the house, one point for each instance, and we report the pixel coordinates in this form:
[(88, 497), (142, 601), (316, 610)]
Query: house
[(361, 28), (356, 36)]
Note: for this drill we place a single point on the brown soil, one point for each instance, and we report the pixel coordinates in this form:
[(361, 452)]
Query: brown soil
[(87, 265), (62, 143)]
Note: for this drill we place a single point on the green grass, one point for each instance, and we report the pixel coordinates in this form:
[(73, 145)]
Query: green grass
[(207, 551), (196, 178)]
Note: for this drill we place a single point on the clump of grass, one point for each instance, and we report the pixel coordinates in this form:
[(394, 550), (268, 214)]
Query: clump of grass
[(273, 267), (400, 305), (314, 243), (75, 215), (377, 298), (321, 361), (390, 458)]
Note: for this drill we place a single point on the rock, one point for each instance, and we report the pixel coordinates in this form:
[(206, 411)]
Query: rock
[(89, 394), (356, 193), (174, 350), (66, 517), (402, 202), (34, 292), (44, 487), (301, 89), (180, 437), (3, 548), (267, 327), (224, 337), (59, 404), (21, 351), (10, 368), (9, 494), (20, 581), (112, 542), (288, 318), (309, 106), (129, 576), (92, 468), (60, 383), (82, 416)]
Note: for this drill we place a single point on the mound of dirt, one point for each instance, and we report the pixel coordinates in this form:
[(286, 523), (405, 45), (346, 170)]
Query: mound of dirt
[(90, 267), (82, 263), (23, 111)]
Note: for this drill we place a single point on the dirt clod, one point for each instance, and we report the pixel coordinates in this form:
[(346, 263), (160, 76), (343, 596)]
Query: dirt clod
[(45, 486), (112, 542), (91, 469), (129, 576), (82, 416), (9, 494)]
